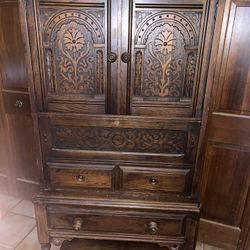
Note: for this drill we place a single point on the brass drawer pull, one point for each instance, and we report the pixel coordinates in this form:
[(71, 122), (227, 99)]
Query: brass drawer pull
[(174, 247), (77, 224), (153, 180), (80, 178), (153, 227), (19, 104)]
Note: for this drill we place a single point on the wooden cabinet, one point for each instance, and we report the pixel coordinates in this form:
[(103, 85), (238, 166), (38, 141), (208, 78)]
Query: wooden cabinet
[(118, 89), (226, 174), (19, 173)]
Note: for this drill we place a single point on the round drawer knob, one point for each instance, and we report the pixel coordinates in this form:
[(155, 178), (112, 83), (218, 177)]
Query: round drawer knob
[(153, 180), (125, 57), (80, 178), (153, 227), (174, 247), (112, 57), (18, 104), (77, 224)]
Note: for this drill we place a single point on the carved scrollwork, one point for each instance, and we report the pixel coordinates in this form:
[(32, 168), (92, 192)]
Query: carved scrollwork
[(128, 140), (168, 68), (190, 74), (74, 43), (138, 73)]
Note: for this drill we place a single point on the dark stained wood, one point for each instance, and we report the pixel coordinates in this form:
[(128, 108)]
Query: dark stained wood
[(105, 245), (144, 224), (224, 184), (115, 90), (16, 103), (153, 179), (219, 234), (80, 176), (13, 65), (233, 181), (21, 168), (166, 52)]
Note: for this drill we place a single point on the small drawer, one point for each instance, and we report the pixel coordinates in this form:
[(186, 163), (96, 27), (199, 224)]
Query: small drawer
[(155, 179), (112, 222), (80, 176), (16, 103)]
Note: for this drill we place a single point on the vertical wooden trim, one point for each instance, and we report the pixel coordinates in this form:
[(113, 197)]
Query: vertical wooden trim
[(200, 174), (244, 242), (42, 223), (32, 93)]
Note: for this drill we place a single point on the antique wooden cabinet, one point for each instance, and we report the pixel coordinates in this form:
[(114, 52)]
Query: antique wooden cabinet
[(118, 89)]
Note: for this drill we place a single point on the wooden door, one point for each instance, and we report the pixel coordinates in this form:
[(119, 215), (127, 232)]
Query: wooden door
[(166, 55), (226, 173), (17, 137)]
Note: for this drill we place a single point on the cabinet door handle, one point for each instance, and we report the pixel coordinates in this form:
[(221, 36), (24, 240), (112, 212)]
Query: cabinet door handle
[(18, 104), (125, 57), (112, 57)]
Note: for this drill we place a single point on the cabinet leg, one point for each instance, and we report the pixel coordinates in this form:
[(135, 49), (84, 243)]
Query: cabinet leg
[(45, 246)]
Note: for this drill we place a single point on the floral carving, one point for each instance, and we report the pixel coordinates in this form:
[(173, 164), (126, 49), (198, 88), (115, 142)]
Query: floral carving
[(74, 65), (74, 40), (165, 42), (114, 139)]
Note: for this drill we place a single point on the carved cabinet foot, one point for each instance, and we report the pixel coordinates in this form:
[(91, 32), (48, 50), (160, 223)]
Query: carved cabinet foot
[(45, 246)]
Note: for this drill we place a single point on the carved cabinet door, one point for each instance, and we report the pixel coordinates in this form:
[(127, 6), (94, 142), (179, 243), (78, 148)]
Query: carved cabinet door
[(140, 57), (72, 38), (166, 48)]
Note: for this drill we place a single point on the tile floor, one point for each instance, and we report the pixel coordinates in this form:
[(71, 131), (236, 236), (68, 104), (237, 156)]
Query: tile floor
[(18, 226)]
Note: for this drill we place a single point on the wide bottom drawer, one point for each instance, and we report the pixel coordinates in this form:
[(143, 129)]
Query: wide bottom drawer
[(92, 220), (77, 244)]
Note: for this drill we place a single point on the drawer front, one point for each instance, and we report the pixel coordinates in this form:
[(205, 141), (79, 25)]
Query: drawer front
[(80, 176), (155, 179), (119, 138), (111, 222), (16, 103)]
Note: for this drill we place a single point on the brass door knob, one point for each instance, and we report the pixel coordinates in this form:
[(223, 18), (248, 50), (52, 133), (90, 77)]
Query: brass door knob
[(153, 227), (18, 104), (77, 224)]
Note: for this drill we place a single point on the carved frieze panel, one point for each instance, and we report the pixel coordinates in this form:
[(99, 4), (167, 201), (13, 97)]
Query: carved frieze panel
[(120, 139), (74, 49), (165, 54)]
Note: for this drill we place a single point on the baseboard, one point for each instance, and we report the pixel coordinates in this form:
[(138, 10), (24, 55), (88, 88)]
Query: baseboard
[(218, 234)]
